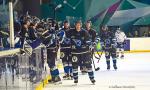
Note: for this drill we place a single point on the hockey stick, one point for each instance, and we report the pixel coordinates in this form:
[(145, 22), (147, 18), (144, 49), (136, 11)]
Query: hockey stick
[(96, 56), (100, 55), (96, 69)]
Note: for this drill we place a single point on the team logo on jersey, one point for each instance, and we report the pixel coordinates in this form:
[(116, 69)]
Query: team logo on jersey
[(107, 41), (62, 54), (61, 35), (74, 59), (77, 42), (67, 40)]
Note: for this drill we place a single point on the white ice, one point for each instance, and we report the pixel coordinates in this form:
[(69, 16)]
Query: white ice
[(133, 74)]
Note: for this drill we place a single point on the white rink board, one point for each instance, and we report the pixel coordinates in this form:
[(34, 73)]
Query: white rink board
[(140, 44)]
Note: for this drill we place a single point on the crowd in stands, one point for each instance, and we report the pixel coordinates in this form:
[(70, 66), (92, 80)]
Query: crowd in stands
[(136, 33)]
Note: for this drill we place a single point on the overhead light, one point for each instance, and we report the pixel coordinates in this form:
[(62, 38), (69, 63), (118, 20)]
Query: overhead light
[(65, 2), (58, 6)]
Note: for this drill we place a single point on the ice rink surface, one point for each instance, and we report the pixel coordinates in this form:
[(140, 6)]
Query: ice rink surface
[(133, 74)]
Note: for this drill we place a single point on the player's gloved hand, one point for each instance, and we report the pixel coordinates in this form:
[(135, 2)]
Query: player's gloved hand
[(94, 43), (114, 45), (88, 43), (103, 47), (91, 47), (97, 40)]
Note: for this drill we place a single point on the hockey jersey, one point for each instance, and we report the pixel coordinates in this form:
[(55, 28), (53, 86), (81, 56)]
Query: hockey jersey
[(92, 34), (66, 43), (79, 41), (108, 40), (120, 36)]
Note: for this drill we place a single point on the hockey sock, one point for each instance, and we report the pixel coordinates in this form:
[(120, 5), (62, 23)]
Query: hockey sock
[(66, 69), (75, 74), (108, 64), (54, 72), (90, 73), (114, 63)]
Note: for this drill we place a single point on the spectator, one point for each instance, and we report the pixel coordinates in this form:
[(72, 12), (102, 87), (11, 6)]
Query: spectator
[(145, 34), (130, 35), (149, 33), (136, 34), (0, 24)]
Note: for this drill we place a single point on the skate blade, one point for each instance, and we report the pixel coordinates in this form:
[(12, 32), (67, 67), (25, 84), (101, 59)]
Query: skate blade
[(75, 84), (108, 69), (84, 73), (58, 83), (93, 83), (67, 78), (115, 69), (64, 78)]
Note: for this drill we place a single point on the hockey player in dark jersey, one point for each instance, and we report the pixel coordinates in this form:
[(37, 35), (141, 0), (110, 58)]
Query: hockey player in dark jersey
[(65, 54), (109, 46), (91, 31), (80, 51), (51, 43), (92, 37)]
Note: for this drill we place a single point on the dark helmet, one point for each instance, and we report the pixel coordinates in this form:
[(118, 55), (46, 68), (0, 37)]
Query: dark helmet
[(104, 27), (88, 21), (66, 21), (78, 21)]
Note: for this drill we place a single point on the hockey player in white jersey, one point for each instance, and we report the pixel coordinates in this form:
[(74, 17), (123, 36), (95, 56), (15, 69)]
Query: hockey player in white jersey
[(120, 37)]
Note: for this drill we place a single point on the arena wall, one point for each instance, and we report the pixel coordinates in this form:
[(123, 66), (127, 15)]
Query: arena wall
[(138, 45)]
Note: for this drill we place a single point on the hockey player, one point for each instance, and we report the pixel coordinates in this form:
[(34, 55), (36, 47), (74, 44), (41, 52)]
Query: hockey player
[(120, 37), (92, 37), (80, 51), (17, 43), (66, 52), (51, 43), (91, 31), (24, 31), (109, 46)]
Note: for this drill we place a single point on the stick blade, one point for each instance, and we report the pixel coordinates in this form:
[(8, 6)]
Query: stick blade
[(97, 69)]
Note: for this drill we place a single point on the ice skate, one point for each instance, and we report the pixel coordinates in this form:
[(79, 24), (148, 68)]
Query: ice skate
[(66, 77), (75, 82), (122, 57), (115, 67), (93, 81), (108, 67)]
